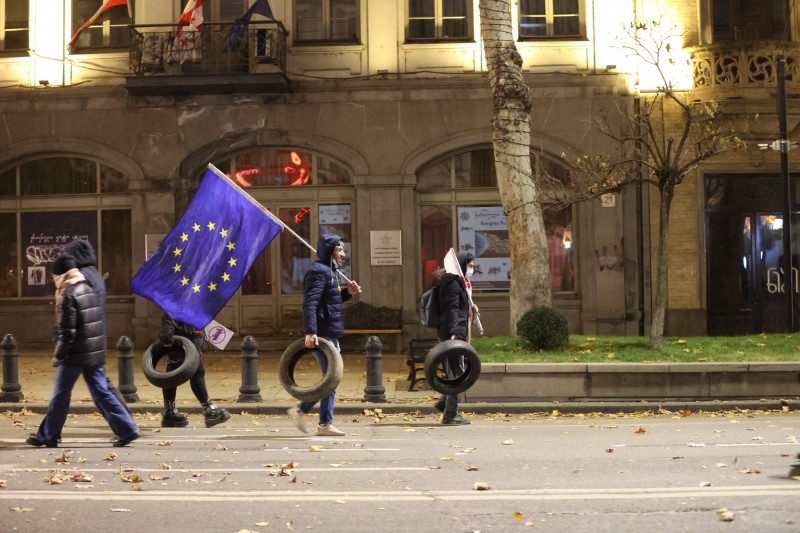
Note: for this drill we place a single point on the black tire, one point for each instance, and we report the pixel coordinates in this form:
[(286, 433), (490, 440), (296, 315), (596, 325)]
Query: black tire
[(434, 362), (157, 351), (326, 385)]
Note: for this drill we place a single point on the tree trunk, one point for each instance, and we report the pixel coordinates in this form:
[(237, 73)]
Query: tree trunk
[(530, 267), (662, 268)]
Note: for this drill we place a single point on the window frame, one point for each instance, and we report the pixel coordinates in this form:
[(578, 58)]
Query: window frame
[(439, 19), (4, 30), (327, 19), (550, 17), (106, 26)]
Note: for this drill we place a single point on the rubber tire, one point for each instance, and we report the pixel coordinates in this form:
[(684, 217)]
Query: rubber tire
[(325, 386), (436, 357), (178, 376)]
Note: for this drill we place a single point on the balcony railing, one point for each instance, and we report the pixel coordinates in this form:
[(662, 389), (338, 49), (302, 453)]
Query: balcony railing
[(740, 65), (162, 50)]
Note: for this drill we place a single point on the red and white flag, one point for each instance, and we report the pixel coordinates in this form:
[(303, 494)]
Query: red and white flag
[(112, 9), (187, 41)]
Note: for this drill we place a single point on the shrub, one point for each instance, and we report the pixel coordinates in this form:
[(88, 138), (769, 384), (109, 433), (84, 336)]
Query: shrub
[(544, 328)]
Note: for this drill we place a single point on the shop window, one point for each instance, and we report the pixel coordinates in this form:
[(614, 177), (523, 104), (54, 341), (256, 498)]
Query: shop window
[(258, 279), (268, 167), (481, 229), (430, 20), (14, 30), (333, 21), (8, 255), (295, 257), (550, 19), (751, 20), (112, 33), (31, 238)]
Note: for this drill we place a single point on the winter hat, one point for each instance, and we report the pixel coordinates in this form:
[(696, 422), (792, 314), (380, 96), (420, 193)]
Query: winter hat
[(63, 263)]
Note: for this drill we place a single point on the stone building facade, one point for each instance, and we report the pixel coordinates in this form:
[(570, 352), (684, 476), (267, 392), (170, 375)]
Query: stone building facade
[(371, 119)]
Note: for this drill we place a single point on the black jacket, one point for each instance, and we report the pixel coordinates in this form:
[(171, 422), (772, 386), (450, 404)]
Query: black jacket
[(454, 305), (171, 327), (86, 260), (80, 333), (324, 290)]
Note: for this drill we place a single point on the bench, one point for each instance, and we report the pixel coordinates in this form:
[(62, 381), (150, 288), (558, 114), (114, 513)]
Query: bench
[(417, 351), (354, 339)]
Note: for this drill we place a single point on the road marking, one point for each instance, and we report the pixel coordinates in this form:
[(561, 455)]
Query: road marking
[(185, 496), (225, 470)]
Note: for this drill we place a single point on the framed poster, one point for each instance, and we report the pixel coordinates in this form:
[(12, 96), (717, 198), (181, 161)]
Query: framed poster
[(44, 235), (483, 232)]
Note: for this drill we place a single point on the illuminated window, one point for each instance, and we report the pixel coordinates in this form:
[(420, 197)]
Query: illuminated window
[(267, 167), (14, 27), (451, 216), (557, 19), (326, 20), (430, 20), (46, 223), (108, 34), (751, 21)]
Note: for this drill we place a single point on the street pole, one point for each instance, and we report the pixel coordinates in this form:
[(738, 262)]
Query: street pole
[(787, 206)]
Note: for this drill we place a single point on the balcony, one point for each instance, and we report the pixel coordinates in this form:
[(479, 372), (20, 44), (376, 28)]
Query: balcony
[(166, 62), (739, 69)]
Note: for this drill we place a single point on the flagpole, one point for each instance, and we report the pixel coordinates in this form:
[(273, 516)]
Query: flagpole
[(278, 221)]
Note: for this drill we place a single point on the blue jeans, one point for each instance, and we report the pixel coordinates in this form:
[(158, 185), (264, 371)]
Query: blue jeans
[(115, 414), (325, 404)]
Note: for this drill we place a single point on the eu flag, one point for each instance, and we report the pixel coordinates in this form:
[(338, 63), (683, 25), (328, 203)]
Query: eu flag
[(203, 260)]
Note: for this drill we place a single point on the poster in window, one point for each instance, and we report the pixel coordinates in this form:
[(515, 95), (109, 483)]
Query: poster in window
[(44, 235), (482, 231)]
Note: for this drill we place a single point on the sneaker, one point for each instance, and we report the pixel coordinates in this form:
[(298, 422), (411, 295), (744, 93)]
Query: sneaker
[(216, 415), (329, 431), (33, 441), (457, 420), (299, 419), (120, 442)]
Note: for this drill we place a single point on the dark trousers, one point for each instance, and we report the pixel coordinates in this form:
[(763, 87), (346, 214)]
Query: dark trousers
[(197, 382)]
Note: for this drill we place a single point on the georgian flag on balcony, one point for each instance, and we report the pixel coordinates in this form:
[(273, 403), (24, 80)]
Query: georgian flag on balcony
[(112, 9), (188, 43)]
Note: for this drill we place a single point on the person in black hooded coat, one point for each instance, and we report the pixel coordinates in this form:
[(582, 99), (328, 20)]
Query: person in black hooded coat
[(86, 260), (455, 304)]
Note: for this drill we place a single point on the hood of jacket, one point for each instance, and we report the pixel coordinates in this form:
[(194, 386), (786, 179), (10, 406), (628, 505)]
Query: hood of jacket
[(325, 245), (83, 253)]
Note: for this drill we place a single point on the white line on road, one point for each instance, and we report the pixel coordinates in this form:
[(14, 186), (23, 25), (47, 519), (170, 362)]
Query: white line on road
[(184, 496)]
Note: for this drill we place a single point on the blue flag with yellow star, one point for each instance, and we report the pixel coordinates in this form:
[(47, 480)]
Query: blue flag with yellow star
[(203, 260)]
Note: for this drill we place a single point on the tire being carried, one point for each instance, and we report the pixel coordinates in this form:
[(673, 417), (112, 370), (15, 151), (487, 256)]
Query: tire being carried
[(182, 348), (434, 367), (330, 380)]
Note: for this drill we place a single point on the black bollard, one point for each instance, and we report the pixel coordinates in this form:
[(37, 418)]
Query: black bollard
[(249, 391), (374, 391), (125, 369), (11, 389)]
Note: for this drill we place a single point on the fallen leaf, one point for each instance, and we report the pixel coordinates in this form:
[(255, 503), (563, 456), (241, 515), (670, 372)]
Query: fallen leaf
[(119, 510), (81, 477), (132, 478), (508, 442), (640, 430), (517, 516), (316, 448), (725, 515), (156, 477), (164, 443), (62, 458), (220, 448), (704, 484), (21, 509), (609, 450), (262, 524), (481, 485), (472, 468), (164, 466), (137, 488), (448, 458)]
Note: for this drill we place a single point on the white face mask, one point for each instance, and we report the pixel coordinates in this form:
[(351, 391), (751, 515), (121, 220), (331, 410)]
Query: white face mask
[(470, 272)]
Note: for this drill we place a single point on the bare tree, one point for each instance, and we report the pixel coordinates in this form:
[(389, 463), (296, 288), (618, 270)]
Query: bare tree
[(520, 196), (659, 143)]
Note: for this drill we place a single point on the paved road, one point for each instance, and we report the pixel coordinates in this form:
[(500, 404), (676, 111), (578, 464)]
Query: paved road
[(407, 473)]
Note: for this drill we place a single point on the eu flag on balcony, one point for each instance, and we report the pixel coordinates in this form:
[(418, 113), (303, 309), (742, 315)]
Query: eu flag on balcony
[(203, 260), (239, 28)]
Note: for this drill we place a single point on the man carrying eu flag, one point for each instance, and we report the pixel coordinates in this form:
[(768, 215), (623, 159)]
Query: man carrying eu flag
[(322, 317)]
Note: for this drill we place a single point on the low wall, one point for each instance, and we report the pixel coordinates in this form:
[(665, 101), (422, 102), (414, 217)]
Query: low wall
[(509, 382)]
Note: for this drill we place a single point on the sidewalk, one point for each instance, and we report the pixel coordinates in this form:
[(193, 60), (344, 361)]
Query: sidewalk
[(224, 378)]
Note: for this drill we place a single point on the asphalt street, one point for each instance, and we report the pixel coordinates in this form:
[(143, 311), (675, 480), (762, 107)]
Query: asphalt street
[(404, 472)]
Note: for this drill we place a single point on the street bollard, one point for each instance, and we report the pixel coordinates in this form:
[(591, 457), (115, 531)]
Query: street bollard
[(125, 369), (249, 391), (374, 391), (11, 389)]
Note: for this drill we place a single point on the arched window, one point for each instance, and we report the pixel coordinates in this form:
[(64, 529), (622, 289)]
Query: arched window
[(36, 222), (282, 167), (460, 208)]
